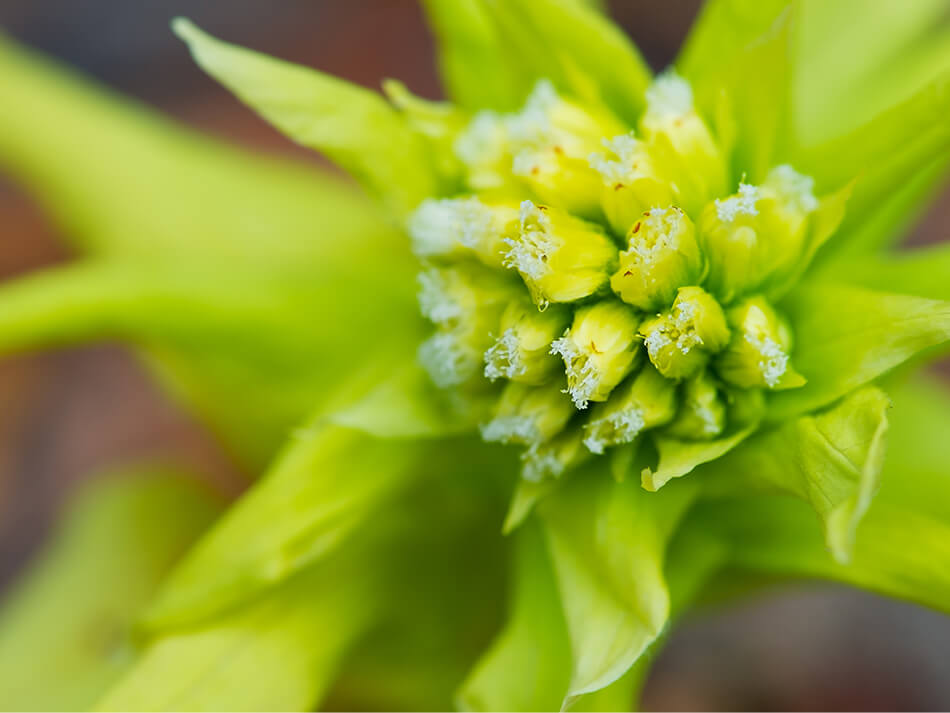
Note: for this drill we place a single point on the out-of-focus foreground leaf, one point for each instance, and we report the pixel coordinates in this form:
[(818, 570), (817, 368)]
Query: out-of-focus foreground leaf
[(66, 627)]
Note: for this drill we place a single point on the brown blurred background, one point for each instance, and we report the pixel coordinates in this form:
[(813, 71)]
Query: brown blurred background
[(67, 414)]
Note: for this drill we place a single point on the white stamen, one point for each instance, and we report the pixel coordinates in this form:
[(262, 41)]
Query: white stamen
[(743, 204), (530, 250), (616, 429), (483, 141), (435, 300), (774, 361), (619, 164), (510, 429), (796, 188), (439, 226), (580, 369), (502, 359), (446, 360), (540, 462)]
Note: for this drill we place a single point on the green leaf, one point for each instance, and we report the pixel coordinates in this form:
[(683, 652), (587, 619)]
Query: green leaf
[(262, 342), (124, 182), (751, 88), (279, 652), (328, 482), (65, 627), (528, 666), (831, 460), (678, 458), (353, 126), (577, 48), (854, 63), (847, 336), (722, 31), (897, 552), (474, 62), (607, 541), (922, 272)]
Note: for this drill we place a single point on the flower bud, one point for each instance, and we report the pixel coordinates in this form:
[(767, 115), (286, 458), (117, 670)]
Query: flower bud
[(631, 181), (644, 401), (552, 458), (452, 228), (758, 353), (559, 179), (663, 254), (751, 235), (523, 351), (484, 149), (528, 414), (681, 340), (466, 302), (702, 412), (599, 350), (682, 142), (560, 258)]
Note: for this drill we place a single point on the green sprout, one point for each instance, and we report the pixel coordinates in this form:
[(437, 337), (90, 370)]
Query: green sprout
[(673, 301)]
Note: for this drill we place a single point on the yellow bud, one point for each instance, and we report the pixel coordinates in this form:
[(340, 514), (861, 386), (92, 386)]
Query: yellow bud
[(523, 351), (663, 254), (552, 458), (452, 228), (682, 142), (758, 353), (631, 181), (559, 180), (681, 340), (599, 350), (753, 234), (528, 414), (466, 302), (644, 401), (702, 413), (560, 258)]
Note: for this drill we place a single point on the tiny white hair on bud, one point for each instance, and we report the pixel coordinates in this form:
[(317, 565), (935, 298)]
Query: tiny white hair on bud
[(446, 360), (539, 463), (483, 140), (510, 429), (616, 429), (669, 96), (743, 204), (618, 163), (439, 225), (796, 188), (774, 361), (529, 252), (435, 301), (580, 370), (683, 317), (502, 359)]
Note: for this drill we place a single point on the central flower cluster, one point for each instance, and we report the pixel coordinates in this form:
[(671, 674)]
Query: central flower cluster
[(603, 281)]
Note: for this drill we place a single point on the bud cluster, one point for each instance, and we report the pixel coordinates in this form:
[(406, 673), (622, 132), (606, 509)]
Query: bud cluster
[(603, 280)]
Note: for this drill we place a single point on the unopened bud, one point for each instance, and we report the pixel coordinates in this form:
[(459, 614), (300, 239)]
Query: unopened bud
[(644, 401), (631, 181), (451, 228), (757, 232), (523, 351), (528, 414), (681, 340), (560, 258), (758, 353), (702, 413), (599, 350), (551, 459), (680, 139), (663, 254)]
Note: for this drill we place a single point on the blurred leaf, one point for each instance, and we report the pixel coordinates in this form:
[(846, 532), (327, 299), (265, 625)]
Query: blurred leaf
[(473, 60), (528, 666), (353, 126), (922, 272), (65, 628), (328, 483), (848, 336), (897, 552), (577, 48), (607, 542), (831, 460)]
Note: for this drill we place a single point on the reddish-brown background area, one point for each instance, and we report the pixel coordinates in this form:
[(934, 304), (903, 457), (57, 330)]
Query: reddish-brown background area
[(65, 415)]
